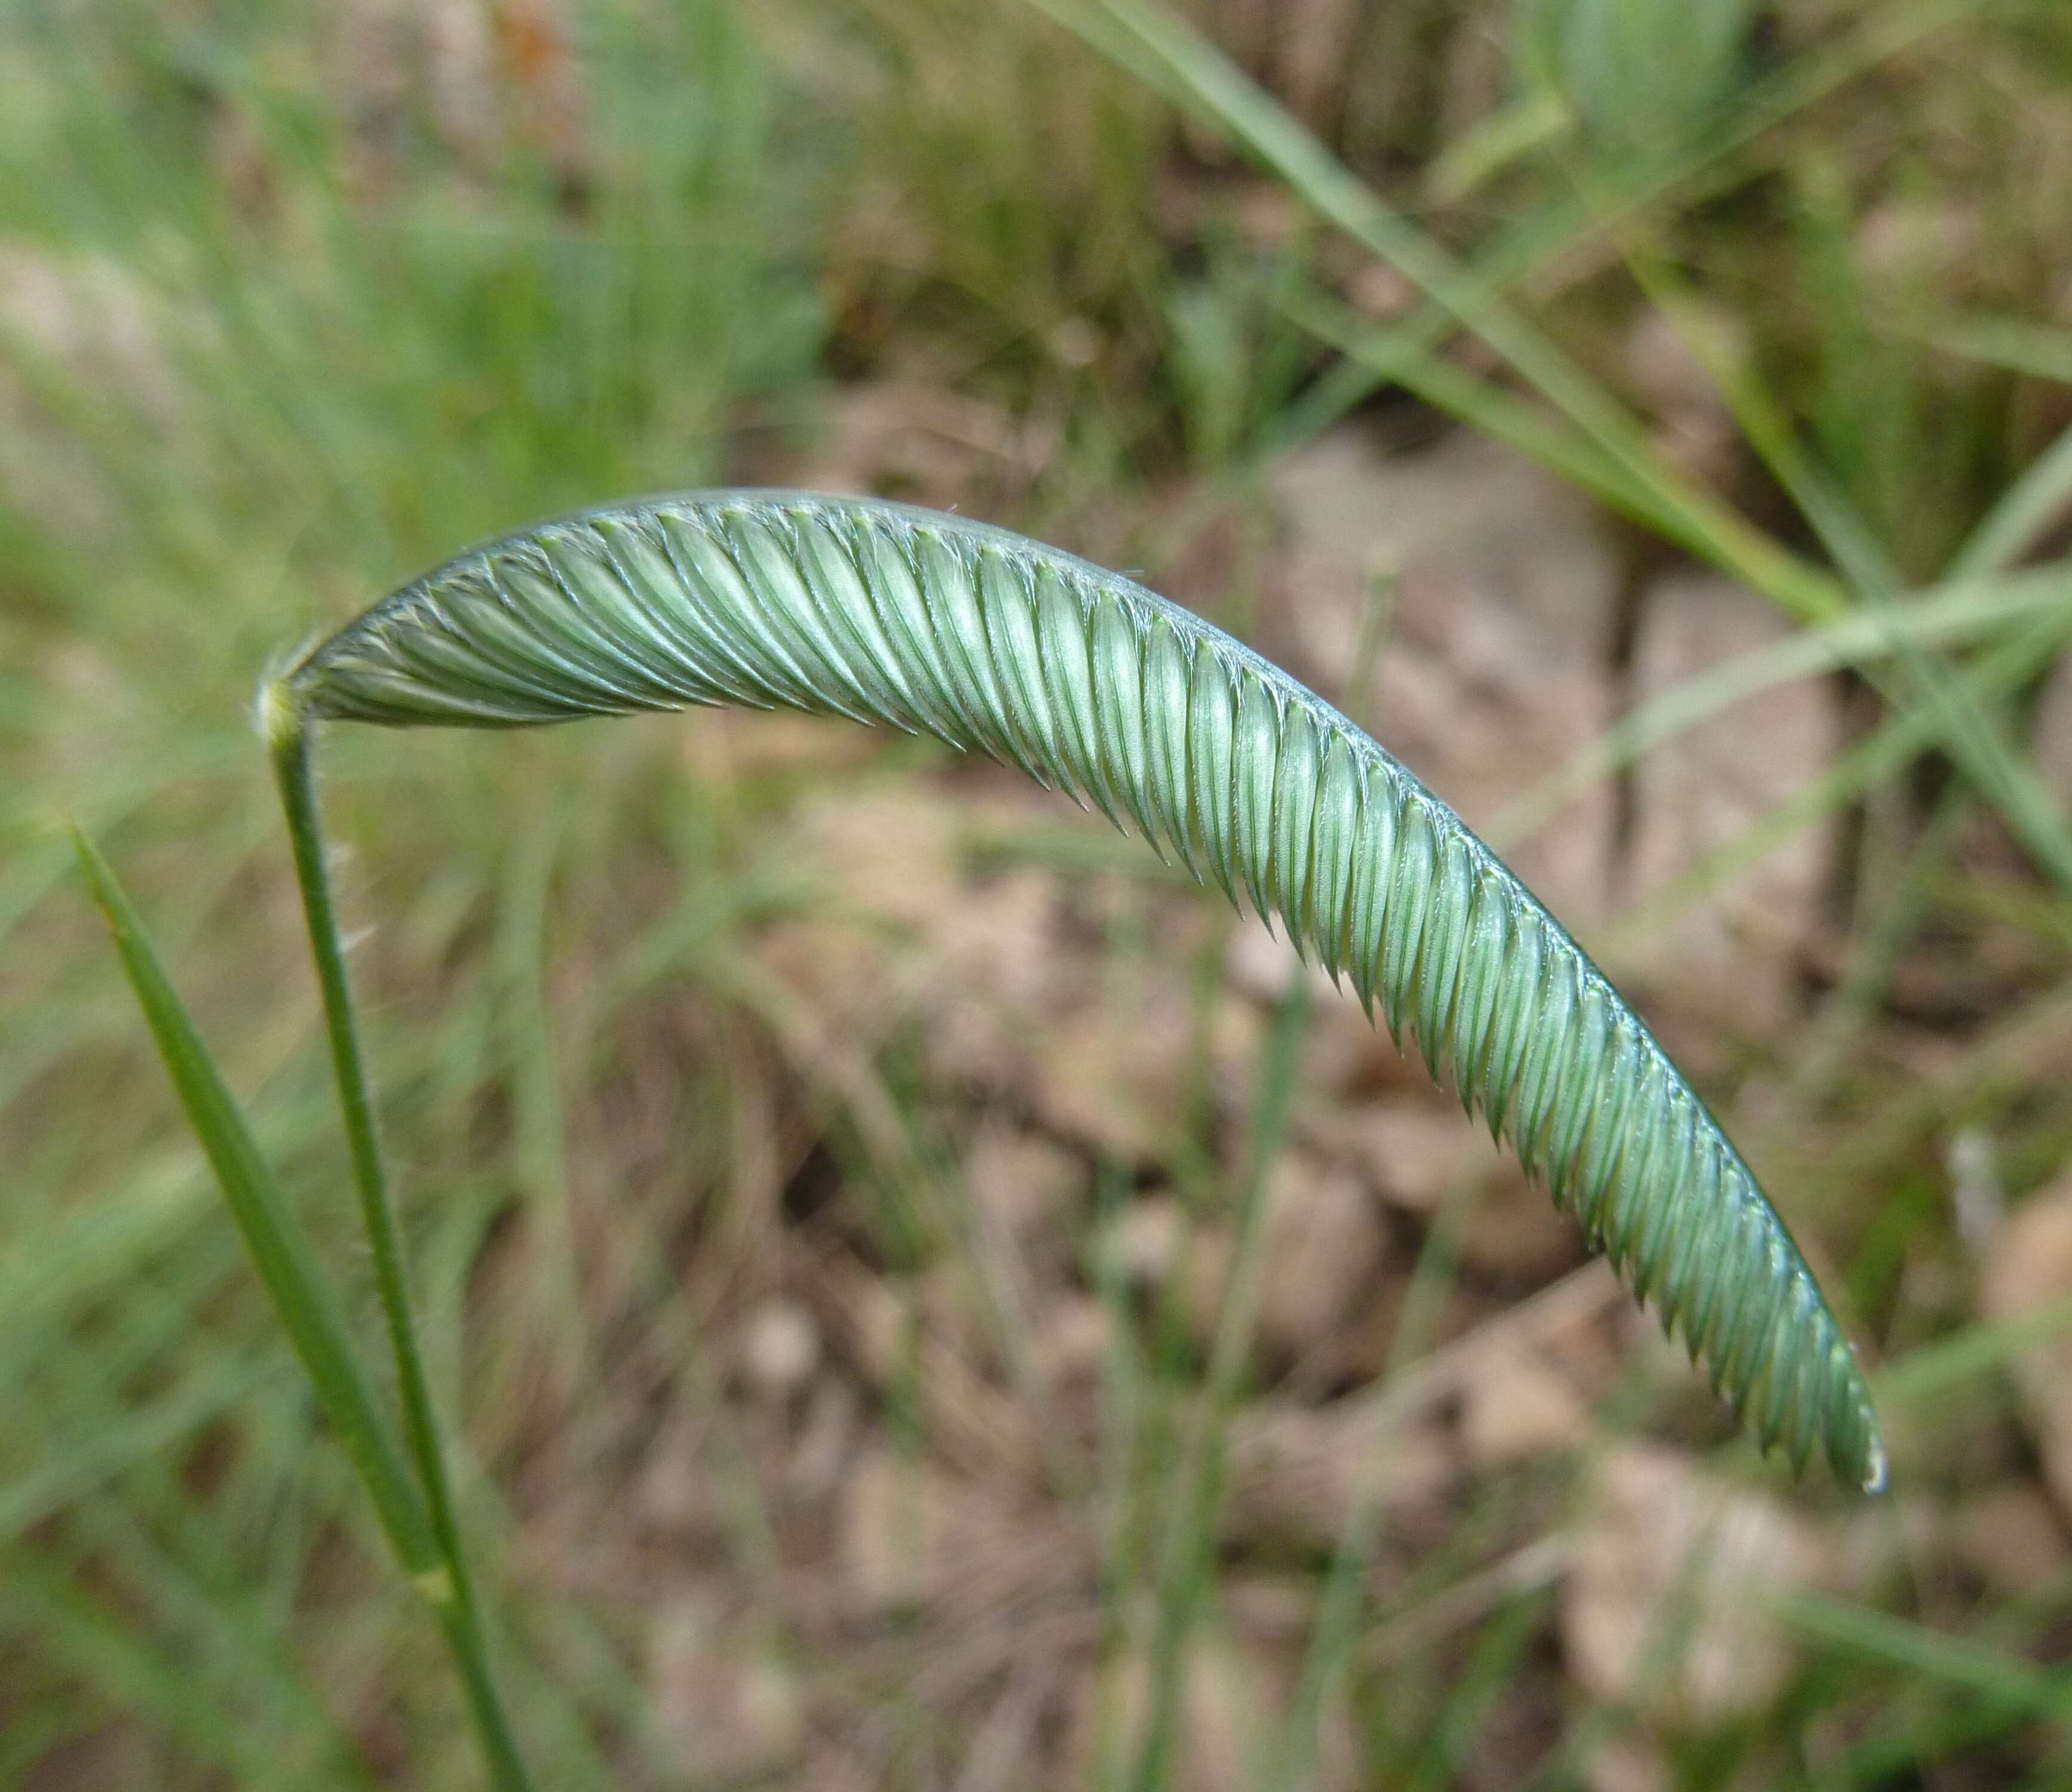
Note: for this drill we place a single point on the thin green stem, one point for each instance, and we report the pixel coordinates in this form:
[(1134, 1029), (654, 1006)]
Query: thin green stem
[(451, 1588), (1188, 1556), (1343, 1599)]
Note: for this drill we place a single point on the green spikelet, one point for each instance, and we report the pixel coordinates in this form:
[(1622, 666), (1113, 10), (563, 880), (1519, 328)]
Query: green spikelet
[(1092, 685)]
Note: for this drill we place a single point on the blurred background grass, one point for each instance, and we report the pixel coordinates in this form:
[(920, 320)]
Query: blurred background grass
[(820, 1155)]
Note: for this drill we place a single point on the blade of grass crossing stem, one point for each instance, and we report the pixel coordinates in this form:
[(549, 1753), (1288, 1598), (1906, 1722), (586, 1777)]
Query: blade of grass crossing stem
[(280, 1247), (1880, 755), (1949, 712), (1693, 519), (1966, 727), (2009, 530), (1394, 355), (1232, 101), (452, 1591), (1952, 615), (1706, 529), (1991, 760)]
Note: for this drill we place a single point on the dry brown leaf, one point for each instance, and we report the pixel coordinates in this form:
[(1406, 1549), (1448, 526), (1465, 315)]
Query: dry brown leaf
[(2028, 1266), (1418, 1151), (994, 976), (1518, 1404), (891, 851), (1731, 957), (1321, 1249), (1229, 1699), (1515, 1235), (1664, 1603), (2010, 1537), (896, 1521), (1297, 1474), (1114, 1083), (923, 442), (1025, 1183), (730, 1707)]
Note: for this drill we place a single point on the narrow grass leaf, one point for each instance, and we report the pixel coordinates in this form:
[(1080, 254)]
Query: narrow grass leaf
[(84, 1634), (280, 1248), (1956, 1662)]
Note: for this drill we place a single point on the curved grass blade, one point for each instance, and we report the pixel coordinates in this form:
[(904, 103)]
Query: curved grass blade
[(310, 1312), (280, 1248), (937, 625)]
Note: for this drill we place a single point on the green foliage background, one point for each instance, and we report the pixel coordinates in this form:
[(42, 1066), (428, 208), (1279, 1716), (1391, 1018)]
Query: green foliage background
[(294, 301)]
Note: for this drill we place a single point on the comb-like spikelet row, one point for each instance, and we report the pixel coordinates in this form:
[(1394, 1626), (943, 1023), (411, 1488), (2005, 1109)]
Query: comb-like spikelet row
[(1095, 686)]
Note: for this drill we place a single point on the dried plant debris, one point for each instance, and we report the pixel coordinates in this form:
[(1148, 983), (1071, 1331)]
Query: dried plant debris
[(1092, 685)]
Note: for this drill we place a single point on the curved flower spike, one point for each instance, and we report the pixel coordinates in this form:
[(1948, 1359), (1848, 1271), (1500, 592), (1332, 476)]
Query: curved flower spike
[(996, 644)]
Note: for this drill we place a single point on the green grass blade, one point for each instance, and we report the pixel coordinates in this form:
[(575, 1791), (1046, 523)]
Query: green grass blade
[(316, 1325), (1956, 613), (2014, 344), (1533, 246), (88, 1637), (280, 1248), (1224, 94), (1974, 739), (2024, 512), (1697, 522), (1928, 1371), (1187, 1569), (1620, 463), (1087, 680), (1954, 1661), (1990, 676)]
